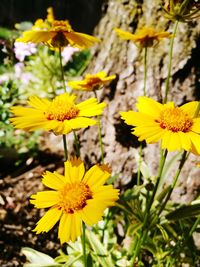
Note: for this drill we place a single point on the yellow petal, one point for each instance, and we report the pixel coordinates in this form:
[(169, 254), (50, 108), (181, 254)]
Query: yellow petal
[(74, 170), (81, 40), (190, 108), (171, 141), (195, 139), (90, 107), (96, 176), (149, 106), (45, 199), (69, 227), (91, 213), (36, 36), (53, 180), (47, 222), (81, 122), (39, 103)]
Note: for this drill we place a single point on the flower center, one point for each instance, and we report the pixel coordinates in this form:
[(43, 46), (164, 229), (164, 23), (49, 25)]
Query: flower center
[(175, 120), (73, 197), (61, 26), (61, 109)]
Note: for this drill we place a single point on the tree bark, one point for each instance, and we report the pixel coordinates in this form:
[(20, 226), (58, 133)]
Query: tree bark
[(125, 59)]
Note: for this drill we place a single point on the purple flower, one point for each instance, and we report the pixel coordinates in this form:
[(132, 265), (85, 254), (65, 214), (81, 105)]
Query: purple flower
[(68, 52), (22, 50)]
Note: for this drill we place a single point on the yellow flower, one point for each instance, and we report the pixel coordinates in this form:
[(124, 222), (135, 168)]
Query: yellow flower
[(61, 115), (59, 35), (146, 37), (176, 127), (50, 15), (46, 24), (77, 196), (181, 10), (92, 81)]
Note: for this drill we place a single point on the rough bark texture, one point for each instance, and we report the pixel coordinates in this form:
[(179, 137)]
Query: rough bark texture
[(126, 60)]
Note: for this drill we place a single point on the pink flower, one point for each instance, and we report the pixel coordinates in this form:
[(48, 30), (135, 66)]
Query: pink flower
[(24, 49)]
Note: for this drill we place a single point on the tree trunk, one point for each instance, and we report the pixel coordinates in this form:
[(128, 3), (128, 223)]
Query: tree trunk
[(125, 59)]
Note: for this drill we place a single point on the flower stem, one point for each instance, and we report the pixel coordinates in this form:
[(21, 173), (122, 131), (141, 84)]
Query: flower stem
[(62, 70), (84, 245), (182, 162), (144, 229), (194, 226), (100, 135), (139, 165), (170, 62), (144, 93), (197, 110), (65, 147), (145, 71), (77, 144)]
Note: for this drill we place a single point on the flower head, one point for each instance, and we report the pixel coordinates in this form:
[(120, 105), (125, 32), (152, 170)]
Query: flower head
[(146, 37), (59, 35), (61, 115), (182, 10), (176, 127), (92, 82), (77, 196)]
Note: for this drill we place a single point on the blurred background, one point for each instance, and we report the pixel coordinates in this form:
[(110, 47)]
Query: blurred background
[(83, 14)]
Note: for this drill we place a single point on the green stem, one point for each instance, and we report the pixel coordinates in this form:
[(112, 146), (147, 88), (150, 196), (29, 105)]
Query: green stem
[(145, 70), (182, 162), (170, 62), (139, 165), (144, 229), (194, 227), (65, 147), (100, 134), (144, 93), (77, 144), (197, 110), (62, 70), (84, 245)]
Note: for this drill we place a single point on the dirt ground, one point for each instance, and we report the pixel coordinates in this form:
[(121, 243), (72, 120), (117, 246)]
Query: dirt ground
[(17, 216)]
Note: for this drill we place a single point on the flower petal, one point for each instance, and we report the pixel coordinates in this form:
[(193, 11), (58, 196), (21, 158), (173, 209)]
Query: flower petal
[(96, 176), (74, 170), (47, 222), (45, 199), (54, 180), (69, 227), (81, 40)]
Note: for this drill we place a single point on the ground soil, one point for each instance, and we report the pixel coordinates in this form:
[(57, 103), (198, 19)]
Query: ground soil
[(17, 216)]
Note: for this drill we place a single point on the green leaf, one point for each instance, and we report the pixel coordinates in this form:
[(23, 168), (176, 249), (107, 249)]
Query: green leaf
[(100, 253), (38, 259), (184, 212), (169, 165), (163, 232)]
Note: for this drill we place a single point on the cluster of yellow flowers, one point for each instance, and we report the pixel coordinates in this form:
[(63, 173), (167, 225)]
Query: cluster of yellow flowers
[(81, 195)]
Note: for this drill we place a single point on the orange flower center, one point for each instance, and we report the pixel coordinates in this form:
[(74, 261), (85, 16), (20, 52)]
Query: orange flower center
[(61, 26), (61, 109), (73, 197), (175, 120)]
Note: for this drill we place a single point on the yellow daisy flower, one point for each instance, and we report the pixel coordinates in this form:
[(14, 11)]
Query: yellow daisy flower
[(77, 196), (92, 82), (146, 37), (176, 127), (61, 115), (59, 35)]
